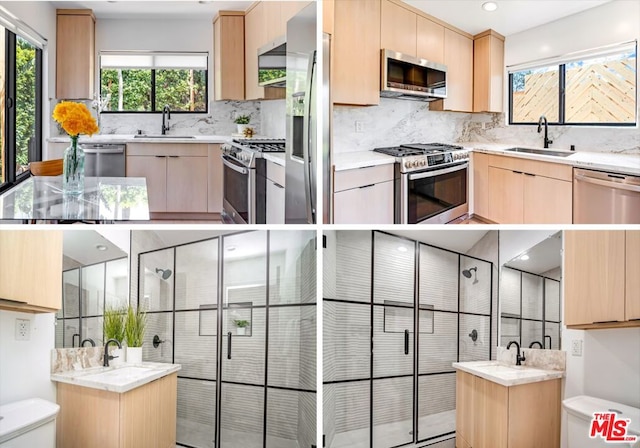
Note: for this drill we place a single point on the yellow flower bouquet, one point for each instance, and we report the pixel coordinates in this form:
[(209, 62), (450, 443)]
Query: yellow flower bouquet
[(75, 119)]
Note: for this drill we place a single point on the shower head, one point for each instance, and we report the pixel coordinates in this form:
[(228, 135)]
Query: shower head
[(467, 272), (164, 273)]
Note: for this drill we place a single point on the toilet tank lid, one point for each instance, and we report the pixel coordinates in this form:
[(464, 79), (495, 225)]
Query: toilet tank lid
[(584, 406), (22, 416)]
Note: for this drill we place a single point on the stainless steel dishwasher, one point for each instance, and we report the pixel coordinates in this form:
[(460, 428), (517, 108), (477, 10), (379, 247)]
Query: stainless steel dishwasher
[(605, 198), (104, 159)]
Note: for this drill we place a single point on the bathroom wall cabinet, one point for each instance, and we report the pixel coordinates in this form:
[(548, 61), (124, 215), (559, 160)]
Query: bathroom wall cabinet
[(142, 417), (601, 278), (489, 415), (31, 271)]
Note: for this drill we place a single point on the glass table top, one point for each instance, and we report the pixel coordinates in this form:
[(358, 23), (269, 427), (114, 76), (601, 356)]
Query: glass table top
[(105, 199)]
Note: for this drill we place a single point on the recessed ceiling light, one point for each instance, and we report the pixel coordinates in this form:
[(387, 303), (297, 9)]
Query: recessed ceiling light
[(490, 6), (525, 257), (101, 247), (231, 248), (402, 249)]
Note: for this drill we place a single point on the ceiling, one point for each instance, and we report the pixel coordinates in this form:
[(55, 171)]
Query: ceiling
[(543, 257), (182, 9), (512, 16), (456, 240), (80, 245)]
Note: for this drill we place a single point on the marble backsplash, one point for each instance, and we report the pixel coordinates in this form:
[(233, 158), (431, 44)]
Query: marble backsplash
[(542, 359), (400, 121), (66, 359)]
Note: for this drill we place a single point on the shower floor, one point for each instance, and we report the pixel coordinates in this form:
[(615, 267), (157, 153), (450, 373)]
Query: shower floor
[(200, 435), (392, 434)]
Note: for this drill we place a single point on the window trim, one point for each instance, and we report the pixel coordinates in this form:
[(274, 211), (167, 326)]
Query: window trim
[(561, 62)]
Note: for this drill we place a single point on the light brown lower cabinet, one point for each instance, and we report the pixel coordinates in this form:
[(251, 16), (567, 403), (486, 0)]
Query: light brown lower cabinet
[(364, 196), (144, 417), (489, 415)]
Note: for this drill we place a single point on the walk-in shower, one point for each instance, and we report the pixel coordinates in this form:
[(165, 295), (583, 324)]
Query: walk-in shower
[(383, 386), (237, 311)]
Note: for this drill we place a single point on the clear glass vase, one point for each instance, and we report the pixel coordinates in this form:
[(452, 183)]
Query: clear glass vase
[(73, 171)]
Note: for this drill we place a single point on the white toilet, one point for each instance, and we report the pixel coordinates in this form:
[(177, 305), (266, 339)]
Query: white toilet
[(580, 411), (28, 424)]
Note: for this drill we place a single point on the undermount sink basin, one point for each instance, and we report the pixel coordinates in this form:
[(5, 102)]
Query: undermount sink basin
[(544, 152), (120, 375), (163, 136)]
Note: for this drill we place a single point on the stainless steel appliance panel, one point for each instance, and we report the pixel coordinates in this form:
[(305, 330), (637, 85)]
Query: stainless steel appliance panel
[(239, 192), (104, 160), (300, 190), (605, 198), (327, 172)]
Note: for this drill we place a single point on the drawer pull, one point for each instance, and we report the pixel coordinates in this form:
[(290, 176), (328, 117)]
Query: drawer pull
[(529, 174), (368, 186), (517, 172), (277, 185), (161, 157), (606, 321)]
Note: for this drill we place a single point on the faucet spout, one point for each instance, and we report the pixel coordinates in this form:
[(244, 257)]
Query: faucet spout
[(543, 120), (534, 343), (166, 116), (519, 358), (108, 357)]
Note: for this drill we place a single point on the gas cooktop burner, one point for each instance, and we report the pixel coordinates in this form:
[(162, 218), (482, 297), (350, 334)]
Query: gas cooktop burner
[(262, 145), (418, 149), (399, 151)]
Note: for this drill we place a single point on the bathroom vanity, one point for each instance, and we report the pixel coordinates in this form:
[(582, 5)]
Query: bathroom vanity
[(502, 406), (124, 407)]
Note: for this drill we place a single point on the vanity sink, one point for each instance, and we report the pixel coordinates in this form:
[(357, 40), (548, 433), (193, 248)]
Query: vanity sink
[(507, 375), (543, 152), (121, 375), (163, 136)]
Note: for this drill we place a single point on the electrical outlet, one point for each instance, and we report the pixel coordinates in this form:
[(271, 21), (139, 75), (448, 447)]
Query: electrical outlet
[(576, 347), (23, 329), (359, 126)]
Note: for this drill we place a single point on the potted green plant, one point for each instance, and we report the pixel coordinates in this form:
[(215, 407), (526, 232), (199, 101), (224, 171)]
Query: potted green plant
[(134, 327), (242, 120), (113, 326), (241, 326)]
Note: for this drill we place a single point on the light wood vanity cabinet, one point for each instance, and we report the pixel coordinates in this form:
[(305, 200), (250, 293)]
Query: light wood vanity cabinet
[(75, 54), (31, 270), (228, 63), (489, 415), (144, 417), (364, 196), (488, 71), (601, 278)]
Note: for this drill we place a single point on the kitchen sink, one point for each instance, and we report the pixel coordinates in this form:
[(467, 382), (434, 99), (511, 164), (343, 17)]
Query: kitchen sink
[(163, 136), (544, 152)]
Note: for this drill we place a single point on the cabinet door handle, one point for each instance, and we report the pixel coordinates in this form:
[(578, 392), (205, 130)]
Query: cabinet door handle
[(529, 174), (278, 185), (606, 321), (406, 342), (174, 157), (229, 334), (161, 157), (368, 186), (517, 172)]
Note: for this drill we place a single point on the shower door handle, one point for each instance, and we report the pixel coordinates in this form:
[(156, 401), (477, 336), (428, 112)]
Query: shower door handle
[(229, 345), (406, 342)]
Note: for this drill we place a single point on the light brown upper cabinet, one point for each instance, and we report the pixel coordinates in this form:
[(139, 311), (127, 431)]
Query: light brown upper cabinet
[(228, 53), (75, 54), (458, 57), (356, 55), (255, 35), (31, 270), (430, 45), (328, 13), (600, 271), (488, 72), (398, 30)]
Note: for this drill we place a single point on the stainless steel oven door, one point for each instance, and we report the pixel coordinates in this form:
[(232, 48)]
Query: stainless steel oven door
[(239, 186), (437, 196)]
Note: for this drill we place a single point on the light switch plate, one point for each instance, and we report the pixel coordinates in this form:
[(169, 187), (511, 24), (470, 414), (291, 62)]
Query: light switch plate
[(576, 347), (359, 126), (23, 329)]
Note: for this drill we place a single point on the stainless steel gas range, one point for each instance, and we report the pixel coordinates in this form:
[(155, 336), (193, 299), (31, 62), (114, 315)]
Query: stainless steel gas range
[(430, 182), (244, 179)]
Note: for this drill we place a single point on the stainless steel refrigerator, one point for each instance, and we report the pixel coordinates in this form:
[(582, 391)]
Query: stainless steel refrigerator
[(301, 150)]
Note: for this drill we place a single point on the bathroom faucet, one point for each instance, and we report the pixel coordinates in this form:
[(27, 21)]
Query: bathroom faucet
[(542, 120), (534, 343), (90, 341), (166, 113), (107, 357), (519, 358)]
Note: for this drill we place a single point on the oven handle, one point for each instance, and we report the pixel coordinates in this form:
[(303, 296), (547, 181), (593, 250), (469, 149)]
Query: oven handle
[(438, 172), (226, 162), (604, 183)]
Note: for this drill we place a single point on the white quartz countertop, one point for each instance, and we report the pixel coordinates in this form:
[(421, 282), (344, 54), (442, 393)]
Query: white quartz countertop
[(129, 138), (276, 157), (507, 375), (360, 159), (120, 379)]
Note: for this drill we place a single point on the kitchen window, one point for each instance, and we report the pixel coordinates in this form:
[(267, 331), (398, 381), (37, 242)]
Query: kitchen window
[(594, 88), (21, 106), (146, 82)]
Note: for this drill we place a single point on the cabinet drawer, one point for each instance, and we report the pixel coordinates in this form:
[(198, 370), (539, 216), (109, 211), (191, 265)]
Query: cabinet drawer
[(372, 204), (275, 173), (546, 169), (345, 180), (167, 149)]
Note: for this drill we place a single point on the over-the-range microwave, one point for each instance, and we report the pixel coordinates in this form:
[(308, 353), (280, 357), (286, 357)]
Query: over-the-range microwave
[(408, 77)]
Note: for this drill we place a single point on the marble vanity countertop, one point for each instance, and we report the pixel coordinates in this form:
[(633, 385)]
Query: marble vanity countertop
[(507, 375), (276, 157), (606, 161), (119, 379), (128, 138), (360, 159)]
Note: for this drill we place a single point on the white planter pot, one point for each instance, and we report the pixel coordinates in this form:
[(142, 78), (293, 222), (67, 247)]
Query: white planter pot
[(118, 357), (134, 355), (242, 127), (241, 331)]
